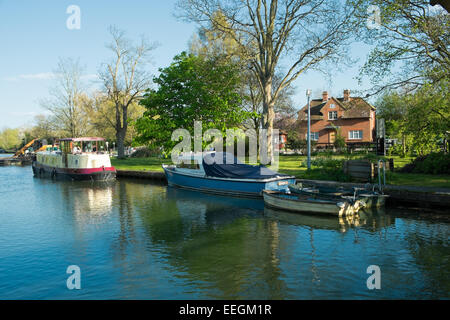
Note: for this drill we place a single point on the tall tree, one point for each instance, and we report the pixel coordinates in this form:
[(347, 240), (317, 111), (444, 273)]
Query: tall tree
[(65, 101), (125, 79), (411, 43), (192, 88), (304, 32)]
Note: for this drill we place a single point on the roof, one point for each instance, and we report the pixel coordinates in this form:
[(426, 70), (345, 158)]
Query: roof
[(356, 107), (82, 139)]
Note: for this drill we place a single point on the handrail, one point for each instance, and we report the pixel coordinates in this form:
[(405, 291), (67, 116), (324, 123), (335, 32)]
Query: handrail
[(380, 187)]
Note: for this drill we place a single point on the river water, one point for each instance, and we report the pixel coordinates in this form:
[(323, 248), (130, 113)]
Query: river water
[(138, 240)]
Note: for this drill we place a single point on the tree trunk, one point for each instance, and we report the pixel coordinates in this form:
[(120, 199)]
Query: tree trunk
[(121, 131), (120, 137), (268, 117)]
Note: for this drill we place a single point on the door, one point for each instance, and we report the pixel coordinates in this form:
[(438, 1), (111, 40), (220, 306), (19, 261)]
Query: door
[(332, 136)]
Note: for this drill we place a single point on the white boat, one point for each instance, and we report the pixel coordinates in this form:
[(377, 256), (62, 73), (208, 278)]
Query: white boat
[(308, 204), (75, 159)]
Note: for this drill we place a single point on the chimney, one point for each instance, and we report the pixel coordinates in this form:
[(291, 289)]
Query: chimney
[(346, 95), (324, 96)]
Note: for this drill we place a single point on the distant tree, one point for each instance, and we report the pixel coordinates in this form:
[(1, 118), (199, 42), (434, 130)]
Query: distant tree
[(299, 33), (9, 139), (125, 79), (65, 102), (192, 88), (43, 128)]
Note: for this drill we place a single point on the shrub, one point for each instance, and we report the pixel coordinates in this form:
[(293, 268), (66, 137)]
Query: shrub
[(433, 163), (144, 152)]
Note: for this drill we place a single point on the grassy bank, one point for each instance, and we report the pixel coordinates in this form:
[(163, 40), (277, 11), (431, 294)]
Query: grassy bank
[(294, 165)]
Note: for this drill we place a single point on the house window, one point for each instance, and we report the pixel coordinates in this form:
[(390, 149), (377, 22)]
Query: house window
[(332, 115), (355, 134), (332, 106), (314, 136)]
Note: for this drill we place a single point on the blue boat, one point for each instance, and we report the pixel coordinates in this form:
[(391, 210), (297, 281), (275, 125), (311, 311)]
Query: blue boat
[(222, 173)]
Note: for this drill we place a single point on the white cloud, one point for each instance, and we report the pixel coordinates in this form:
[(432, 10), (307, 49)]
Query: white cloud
[(32, 76), (45, 76)]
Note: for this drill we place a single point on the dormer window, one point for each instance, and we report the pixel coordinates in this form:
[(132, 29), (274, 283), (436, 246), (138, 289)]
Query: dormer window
[(332, 115), (332, 106)]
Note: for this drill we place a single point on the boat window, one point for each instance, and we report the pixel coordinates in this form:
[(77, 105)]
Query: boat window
[(189, 165)]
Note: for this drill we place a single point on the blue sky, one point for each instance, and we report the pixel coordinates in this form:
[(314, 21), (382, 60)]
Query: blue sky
[(34, 35)]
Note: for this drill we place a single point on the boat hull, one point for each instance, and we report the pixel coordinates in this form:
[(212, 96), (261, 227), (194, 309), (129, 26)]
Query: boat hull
[(371, 200), (294, 203), (94, 174), (235, 187)]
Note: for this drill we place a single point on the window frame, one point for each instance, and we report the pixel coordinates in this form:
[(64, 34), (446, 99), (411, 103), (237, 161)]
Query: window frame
[(351, 135), (332, 112)]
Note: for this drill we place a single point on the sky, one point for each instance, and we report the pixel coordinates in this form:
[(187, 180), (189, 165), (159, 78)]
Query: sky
[(34, 35)]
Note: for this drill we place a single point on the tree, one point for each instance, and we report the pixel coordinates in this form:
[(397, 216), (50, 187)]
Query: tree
[(43, 128), (65, 102), (420, 119), (213, 44), (192, 88), (9, 139), (124, 79), (412, 44), (305, 32)]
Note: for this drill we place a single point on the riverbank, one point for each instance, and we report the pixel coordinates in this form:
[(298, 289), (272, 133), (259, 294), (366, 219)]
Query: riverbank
[(293, 165)]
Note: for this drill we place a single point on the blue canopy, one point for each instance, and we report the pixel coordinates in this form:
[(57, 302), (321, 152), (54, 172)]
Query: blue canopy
[(226, 165)]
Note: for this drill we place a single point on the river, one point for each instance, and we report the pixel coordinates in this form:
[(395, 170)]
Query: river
[(133, 239)]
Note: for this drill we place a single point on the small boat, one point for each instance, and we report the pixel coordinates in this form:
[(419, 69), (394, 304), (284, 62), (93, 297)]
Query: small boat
[(308, 204), (223, 173), (75, 159), (372, 199)]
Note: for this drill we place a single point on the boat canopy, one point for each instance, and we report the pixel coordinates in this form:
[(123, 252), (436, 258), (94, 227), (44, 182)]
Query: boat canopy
[(226, 165), (82, 139)]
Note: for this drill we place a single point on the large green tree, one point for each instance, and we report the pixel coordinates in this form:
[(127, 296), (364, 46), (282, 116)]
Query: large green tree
[(299, 34), (420, 119), (192, 88)]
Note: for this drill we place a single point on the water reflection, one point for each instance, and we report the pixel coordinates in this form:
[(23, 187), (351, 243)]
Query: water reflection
[(134, 239), (372, 220)]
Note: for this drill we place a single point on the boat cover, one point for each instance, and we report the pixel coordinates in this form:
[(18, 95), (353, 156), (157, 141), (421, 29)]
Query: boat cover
[(226, 165)]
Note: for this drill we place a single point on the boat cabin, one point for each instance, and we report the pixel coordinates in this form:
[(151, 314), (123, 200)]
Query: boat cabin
[(77, 153)]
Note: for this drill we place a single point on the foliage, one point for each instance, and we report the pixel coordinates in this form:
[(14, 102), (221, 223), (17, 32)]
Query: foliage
[(9, 139), (419, 119), (433, 163), (295, 141), (411, 43), (339, 142), (144, 152), (299, 35), (192, 88)]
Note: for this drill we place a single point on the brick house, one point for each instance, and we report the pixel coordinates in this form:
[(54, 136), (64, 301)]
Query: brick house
[(352, 117)]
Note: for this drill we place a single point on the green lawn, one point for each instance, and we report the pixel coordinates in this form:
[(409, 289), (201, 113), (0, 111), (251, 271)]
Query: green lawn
[(293, 165)]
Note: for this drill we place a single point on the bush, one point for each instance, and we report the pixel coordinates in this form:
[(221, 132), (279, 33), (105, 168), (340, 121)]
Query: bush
[(144, 152), (433, 163), (327, 168)]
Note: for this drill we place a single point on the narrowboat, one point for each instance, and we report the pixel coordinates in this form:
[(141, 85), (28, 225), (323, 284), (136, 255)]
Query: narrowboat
[(372, 199), (223, 173), (75, 159), (307, 204)]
